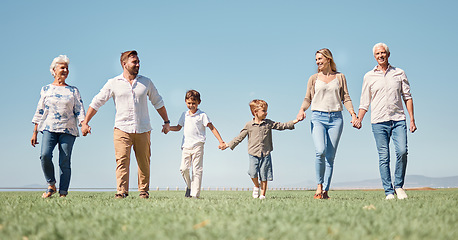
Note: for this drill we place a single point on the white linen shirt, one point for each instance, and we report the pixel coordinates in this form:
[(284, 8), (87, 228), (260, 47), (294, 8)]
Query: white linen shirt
[(59, 110), (130, 102), (193, 128), (385, 92)]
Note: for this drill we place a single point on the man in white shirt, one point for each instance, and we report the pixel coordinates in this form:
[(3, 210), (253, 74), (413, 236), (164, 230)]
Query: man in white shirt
[(385, 88), (130, 93)]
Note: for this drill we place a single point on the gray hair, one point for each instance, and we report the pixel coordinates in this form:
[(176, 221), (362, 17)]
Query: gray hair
[(381, 45), (59, 59)]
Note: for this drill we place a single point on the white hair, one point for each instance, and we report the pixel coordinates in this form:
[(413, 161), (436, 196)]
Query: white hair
[(381, 45), (59, 59)]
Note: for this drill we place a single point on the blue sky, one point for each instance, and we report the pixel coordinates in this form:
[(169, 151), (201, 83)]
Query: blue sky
[(231, 52)]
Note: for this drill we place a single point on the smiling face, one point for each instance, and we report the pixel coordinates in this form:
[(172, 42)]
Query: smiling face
[(322, 62), (260, 114), (192, 105), (61, 71), (381, 56), (132, 65)]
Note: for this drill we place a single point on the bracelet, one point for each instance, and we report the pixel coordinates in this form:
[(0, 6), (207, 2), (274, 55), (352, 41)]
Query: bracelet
[(35, 131), (167, 122)]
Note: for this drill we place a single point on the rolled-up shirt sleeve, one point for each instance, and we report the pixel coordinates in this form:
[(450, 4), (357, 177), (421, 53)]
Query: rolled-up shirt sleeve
[(405, 87), (102, 97), (154, 96), (365, 100)]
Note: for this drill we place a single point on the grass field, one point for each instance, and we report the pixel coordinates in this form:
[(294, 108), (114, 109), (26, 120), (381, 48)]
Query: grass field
[(230, 215)]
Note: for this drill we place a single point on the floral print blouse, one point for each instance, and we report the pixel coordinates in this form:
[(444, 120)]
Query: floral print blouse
[(60, 110)]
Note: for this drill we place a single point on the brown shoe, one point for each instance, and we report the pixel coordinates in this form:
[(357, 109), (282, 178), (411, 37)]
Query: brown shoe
[(63, 195), (325, 195), (121, 196), (144, 195), (318, 196), (49, 192)]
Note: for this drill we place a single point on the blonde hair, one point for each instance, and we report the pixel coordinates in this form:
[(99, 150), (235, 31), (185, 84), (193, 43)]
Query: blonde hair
[(327, 54), (57, 60), (381, 45), (257, 104)]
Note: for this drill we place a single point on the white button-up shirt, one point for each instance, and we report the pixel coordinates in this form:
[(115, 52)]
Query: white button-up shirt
[(385, 92), (130, 102)]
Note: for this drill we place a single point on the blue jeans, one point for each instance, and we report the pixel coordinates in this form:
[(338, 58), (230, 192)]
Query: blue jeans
[(261, 166), (49, 142), (326, 131), (382, 133)]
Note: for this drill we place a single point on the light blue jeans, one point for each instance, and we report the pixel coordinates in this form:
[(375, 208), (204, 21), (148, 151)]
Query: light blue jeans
[(261, 167), (326, 131), (382, 134), (49, 142)]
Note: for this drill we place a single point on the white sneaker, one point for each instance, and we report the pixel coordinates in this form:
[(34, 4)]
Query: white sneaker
[(255, 192), (400, 193), (262, 197), (390, 197)]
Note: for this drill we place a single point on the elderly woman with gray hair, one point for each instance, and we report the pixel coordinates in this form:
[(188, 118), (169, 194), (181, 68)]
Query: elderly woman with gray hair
[(59, 112)]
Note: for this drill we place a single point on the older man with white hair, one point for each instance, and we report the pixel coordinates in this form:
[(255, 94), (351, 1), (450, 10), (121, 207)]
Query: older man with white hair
[(384, 88)]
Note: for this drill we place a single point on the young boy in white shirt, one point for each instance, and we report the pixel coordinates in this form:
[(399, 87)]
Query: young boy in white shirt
[(194, 122)]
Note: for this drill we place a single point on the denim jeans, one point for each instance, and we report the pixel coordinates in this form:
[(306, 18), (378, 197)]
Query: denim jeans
[(262, 167), (49, 142), (327, 128), (382, 133)]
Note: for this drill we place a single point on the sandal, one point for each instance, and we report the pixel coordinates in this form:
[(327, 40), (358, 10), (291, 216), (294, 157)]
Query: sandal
[(49, 192), (144, 195), (318, 196)]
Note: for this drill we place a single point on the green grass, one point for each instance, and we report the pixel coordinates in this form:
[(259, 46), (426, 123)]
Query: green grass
[(229, 215)]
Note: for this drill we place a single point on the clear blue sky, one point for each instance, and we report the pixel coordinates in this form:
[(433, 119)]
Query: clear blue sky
[(232, 52)]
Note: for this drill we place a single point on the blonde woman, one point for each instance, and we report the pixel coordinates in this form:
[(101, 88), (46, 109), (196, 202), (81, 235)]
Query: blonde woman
[(326, 91)]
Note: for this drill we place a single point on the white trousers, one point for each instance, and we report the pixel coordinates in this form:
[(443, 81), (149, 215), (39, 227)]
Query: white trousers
[(193, 158)]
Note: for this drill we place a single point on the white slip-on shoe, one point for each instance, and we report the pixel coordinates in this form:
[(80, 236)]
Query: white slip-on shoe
[(390, 197), (400, 193), (255, 192), (262, 197)]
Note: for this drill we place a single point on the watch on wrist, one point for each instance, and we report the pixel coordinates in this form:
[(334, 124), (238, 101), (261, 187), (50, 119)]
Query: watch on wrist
[(168, 121)]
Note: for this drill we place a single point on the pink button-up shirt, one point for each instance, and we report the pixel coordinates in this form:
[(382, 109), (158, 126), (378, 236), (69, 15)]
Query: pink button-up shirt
[(385, 92)]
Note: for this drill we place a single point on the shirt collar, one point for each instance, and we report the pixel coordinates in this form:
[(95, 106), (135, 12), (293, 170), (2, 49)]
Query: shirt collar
[(189, 114), (121, 77), (255, 123), (376, 68)]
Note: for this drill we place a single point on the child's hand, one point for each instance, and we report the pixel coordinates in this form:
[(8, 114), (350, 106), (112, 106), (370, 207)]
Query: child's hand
[(223, 146)]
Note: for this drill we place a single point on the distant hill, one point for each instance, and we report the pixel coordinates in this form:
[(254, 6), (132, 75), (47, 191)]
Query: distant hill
[(412, 181)]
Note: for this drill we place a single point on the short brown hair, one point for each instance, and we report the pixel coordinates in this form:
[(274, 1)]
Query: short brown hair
[(192, 95), (257, 104), (127, 54)]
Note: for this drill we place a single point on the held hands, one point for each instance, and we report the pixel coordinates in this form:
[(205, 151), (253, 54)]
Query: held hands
[(166, 128), (223, 146), (85, 129), (356, 122), (301, 115)]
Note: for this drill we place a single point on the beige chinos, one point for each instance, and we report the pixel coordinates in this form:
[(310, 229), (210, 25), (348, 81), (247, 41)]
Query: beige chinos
[(123, 143)]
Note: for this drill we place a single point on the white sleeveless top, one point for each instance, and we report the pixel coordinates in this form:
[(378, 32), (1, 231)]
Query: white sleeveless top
[(327, 96)]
